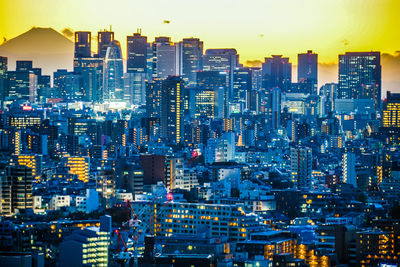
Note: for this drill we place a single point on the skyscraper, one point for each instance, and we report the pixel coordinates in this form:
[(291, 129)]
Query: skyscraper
[(136, 53), (242, 83), (136, 76), (360, 76), (3, 77), (104, 38), (165, 55), (301, 167), (222, 60), (153, 98), (83, 44), (277, 72), (349, 174), (391, 111), (113, 84), (191, 52), (171, 121), (214, 80), (307, 70)]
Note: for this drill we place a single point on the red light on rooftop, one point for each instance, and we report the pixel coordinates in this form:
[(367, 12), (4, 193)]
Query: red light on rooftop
[(170, 196)]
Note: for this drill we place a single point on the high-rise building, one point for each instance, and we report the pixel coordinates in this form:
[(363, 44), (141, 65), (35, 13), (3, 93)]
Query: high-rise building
[(165, 58), (222, 60), (16, 189), (301, 167), (191, 50), (391, 111), (22, 85), (242, 83), (307, 70), (113, 83), (329, 93), (85, 247), (207, 102), (104, 38), (349, 174), (89, 72), (3, 77), (66, 84), (214, 80), (360, 76), (136, 53), (171, 121), (277, 72), (78, 166), (83, 44), (153, 98)]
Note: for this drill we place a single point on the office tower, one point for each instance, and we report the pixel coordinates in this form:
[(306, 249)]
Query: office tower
[(113, 84), (78, 166), (137, 67), (135, 88), (301, 167), (329, 92), (191, 50), (66, 84), (242, 83), (307, 71), (349, 174), (3, 77), (24, 65), (165, 57), (277, 72), (136, 53), (391, 110), (16, 189), (207, 102), (153, 98), (83, 44), (22, 85), (85, 247), (222, 60), (89, 72), (171, 120), (104, 38), (360, 76), (214, 80)]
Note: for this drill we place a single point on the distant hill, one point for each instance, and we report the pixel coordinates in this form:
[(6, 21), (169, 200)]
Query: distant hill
[(47, 48)]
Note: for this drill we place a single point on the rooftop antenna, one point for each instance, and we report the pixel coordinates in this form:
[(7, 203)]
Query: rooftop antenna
[(110, 28)]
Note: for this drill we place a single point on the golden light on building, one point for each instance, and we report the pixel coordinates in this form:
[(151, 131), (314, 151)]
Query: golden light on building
[(79, 166)]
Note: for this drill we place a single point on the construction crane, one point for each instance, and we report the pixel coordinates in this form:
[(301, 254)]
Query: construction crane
[(125, 255), (137, 226)]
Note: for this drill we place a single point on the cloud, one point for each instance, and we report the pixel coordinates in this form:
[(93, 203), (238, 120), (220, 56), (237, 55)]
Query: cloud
[(68, 32), (254, 63)]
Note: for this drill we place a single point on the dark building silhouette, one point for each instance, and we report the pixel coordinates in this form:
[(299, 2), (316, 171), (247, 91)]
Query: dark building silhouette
[(83, 44), (277, 72), (307, 71), (104, 38)]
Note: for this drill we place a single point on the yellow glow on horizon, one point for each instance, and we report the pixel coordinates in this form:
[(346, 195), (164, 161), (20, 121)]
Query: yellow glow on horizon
[(256, 28)]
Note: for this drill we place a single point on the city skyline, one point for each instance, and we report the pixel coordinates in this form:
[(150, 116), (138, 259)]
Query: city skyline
[(327, 28)]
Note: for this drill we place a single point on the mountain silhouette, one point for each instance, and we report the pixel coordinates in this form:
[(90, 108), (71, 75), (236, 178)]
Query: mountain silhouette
[(47, 48)]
